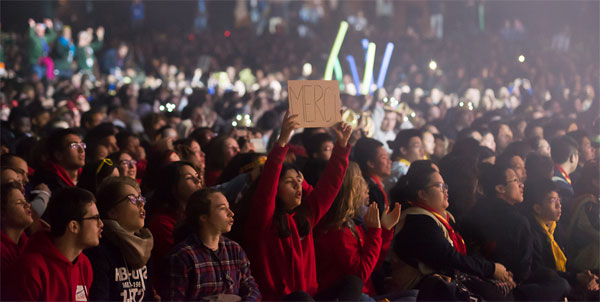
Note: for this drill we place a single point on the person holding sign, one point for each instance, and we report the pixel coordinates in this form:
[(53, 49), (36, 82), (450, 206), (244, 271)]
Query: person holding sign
[(284, 212)]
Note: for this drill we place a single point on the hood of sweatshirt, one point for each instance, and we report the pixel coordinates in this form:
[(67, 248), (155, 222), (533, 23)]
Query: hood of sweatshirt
[(65, 280)]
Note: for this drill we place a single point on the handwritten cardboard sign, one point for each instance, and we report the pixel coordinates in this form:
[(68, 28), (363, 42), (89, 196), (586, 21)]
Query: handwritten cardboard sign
[(317, 103)]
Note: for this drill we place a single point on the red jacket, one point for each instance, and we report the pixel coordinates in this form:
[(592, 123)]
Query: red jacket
[(339, 253), (161, 225), (46, 275), (285, 265), (9, 252)]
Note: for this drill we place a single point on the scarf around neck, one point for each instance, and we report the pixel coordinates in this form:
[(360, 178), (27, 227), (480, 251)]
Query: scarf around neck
[(61, 172), (559, 257), (136, 248), (459, 243)]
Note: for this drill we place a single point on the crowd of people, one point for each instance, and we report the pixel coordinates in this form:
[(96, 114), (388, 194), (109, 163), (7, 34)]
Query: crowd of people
[(166, 166)]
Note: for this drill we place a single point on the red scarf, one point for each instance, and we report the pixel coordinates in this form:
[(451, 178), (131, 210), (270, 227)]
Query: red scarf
[(459, 243), (60, 171), (563, 173), (378, 182)]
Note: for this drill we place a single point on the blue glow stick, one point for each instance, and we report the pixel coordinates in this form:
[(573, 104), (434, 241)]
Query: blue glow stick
[(389, 48), (354, 72), (365, 43)]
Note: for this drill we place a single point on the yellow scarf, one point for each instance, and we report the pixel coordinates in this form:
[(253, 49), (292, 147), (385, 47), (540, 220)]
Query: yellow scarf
[(559, 257)]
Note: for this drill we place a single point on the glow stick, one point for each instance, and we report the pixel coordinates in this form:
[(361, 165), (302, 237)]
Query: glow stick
[(335, 50), (338, 73), (389, 48), (354, 72), (365, 43), (368, 69)]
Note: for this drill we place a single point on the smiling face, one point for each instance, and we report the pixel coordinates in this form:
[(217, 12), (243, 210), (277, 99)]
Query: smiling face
[(289, 189), (127, 166)]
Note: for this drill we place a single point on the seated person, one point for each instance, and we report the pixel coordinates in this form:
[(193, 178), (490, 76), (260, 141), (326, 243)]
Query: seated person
[(427, 243), (543, 208), (120, 262), (206, 264)]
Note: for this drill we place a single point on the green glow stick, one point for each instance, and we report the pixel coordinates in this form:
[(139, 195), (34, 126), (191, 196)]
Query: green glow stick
[(335, 50), (337, 68), (368, 69)]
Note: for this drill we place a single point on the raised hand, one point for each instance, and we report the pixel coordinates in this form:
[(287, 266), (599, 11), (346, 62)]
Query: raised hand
[(342, 132), (48, 23), (31, 22), (100, 33), (390, 219), (288, 125), (372, 217)]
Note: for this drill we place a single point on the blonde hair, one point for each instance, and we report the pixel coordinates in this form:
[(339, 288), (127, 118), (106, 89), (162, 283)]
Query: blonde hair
[(347, 201)]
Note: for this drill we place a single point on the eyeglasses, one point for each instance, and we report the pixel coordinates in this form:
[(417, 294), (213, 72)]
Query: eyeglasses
[(556, 200), (128, 163), (106, 161), (440, 185), (135, 200), (518, 181), (74, 146), (95, 217)]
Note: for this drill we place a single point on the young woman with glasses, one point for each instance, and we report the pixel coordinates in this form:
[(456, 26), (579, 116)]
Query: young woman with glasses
[(121, 261), (427, 242)]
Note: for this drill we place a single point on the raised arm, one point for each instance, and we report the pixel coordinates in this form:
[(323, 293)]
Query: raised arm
[(330, 181), (263, 204)]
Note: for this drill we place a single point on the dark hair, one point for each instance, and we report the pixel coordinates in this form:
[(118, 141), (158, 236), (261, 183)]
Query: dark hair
[(535, 191), (6, 159), (199, 134), (562, 148), (578, 135), (214, 153), (416, 179), (5, 189), (279, 216), (485, 153), (402, 139), (183, 147), (149, 120), (55, 142), (490, 177), (587, 183), (163, 198), (539, 166), (109, 190), (466, 147), (198, 204), (316, 141), (91, 177), (460, 173), (99, 132), (529, 129), (65, 205), (365, 150), (241, 163), (123, 138), (87, 117)]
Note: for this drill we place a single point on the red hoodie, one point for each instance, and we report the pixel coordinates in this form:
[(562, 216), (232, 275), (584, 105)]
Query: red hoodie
[(46, 275), (10, 252), (285, 265), (340, 253)]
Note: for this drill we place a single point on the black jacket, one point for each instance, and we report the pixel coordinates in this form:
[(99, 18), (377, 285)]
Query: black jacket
[(422, 240), (500, 233), (114, 280)]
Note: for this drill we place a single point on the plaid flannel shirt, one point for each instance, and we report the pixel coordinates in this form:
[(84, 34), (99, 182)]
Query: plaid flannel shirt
[(195, 271)]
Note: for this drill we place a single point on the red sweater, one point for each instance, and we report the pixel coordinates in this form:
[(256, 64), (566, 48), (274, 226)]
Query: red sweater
[(161, 225), (46, 275), (285, 265), (339, 253), (9, 252)]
